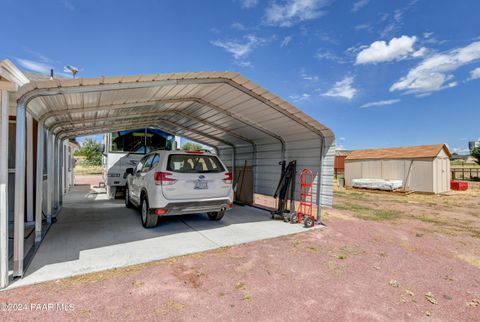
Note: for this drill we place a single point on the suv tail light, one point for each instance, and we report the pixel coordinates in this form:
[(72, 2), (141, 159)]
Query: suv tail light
[(160, 211), (163, 178), (228, 177)]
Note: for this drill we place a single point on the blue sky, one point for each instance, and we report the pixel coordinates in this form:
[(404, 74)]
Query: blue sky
[(379, 73)]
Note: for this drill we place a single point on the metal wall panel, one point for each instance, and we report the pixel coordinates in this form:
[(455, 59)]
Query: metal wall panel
[(421, 177)]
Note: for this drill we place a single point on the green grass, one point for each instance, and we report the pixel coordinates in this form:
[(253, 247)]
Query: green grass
[(351, 207), (368, 213), (378, 214)]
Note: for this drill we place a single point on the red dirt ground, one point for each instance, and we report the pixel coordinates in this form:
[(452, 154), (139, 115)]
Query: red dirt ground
[(421, 264)]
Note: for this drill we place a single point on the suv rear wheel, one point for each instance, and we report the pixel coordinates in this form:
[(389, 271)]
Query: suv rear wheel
[(148, 220), (216, 215), (128, 203)]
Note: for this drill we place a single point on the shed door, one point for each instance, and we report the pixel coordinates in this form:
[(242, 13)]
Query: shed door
[(442, 178)]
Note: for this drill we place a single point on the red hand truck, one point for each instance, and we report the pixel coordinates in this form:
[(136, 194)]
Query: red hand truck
[(305, 211)]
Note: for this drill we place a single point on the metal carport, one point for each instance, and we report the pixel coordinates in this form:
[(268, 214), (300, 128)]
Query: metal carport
[(239, 118)]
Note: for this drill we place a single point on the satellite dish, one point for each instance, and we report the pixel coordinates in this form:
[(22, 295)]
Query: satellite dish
[(71, 69)]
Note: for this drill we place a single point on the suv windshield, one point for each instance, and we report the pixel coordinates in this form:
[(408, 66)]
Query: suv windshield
[(189, 163)]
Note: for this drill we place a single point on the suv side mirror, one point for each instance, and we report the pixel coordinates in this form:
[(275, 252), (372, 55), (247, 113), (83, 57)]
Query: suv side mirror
[(129, 171)]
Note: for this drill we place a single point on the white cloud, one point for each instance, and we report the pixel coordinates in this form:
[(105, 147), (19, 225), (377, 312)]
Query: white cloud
[(461, 151), (359, 5), (240, 49), (299, 98), (286, 41), (328, 55), (34, 66), (395, 21), (290, 12), (421, 52), (428, 38), (248, 3), (68, 5), (312, 78), (434, 72), (244, 63), (475, 74), (364, 26), (380, 103), (342, 138), (342, 89), (237, 26), (427, 35), (381, 51)]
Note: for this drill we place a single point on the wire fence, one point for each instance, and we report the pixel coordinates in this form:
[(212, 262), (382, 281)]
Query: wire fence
[(465, 173)]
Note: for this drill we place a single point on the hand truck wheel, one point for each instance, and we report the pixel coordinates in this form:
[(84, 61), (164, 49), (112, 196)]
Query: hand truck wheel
[(308, 221)]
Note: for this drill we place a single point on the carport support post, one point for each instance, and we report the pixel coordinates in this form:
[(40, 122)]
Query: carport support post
[(29, 170), (234, 160), (319, 183), (39, 183), (3, 188), (55, 174), (19, 223), (49, 175), (61, 176)]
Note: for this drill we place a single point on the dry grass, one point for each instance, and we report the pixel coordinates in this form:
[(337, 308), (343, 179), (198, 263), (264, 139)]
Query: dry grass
[(472, 260), (454, 213), (464, 165), (368, 213), (82, 170)]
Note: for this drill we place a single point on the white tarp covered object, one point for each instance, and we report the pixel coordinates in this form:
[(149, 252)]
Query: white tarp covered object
[(388, 185)]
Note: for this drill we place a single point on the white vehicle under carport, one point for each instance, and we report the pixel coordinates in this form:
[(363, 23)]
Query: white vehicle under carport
[(123, 149), (177, 183)]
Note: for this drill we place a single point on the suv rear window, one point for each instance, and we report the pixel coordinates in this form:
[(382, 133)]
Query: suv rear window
[(189, 163)]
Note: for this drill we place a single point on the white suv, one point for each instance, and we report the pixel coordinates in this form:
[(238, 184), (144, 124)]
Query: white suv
[(179, 182)]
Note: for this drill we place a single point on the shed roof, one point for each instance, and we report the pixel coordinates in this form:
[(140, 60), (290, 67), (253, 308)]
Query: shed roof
[(407, 152)]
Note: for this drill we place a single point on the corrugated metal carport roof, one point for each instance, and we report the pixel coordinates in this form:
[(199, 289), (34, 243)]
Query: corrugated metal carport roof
[(213, 108)]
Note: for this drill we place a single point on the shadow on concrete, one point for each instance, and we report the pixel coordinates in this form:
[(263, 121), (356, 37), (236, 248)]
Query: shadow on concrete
[(93, 233)]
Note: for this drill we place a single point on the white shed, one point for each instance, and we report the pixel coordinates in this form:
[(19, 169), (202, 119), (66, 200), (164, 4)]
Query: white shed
[(423, 168)]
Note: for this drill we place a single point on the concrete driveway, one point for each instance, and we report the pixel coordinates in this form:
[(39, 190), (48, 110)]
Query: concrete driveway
[(93, 233)]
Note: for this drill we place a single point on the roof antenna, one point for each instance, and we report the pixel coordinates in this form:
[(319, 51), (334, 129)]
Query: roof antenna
[(71, 69), (51, 73)]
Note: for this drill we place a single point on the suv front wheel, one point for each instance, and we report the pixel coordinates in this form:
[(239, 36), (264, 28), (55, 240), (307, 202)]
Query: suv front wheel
[(216, 215), (148, 220)]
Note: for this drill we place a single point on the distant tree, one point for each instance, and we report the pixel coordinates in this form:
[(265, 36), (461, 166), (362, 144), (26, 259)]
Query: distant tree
[(476, 154), (90, 150), (190, 146)]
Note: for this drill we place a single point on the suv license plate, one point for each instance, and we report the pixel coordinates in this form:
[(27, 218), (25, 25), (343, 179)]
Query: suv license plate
[(200, 184)]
